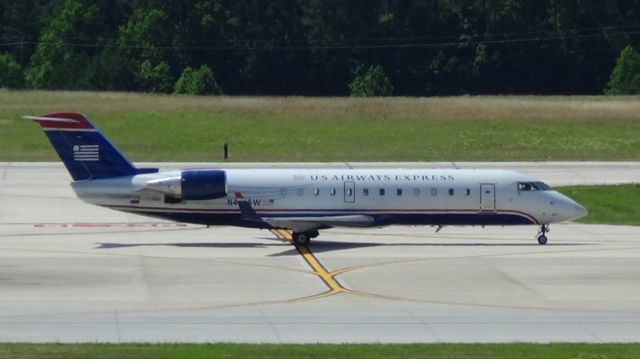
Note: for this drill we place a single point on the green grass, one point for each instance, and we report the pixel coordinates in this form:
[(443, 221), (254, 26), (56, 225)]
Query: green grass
[(124, 351), (608, 204), (184, 128)]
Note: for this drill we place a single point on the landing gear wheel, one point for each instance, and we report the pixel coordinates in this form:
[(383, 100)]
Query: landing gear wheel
[(542, 239), (301, 238)]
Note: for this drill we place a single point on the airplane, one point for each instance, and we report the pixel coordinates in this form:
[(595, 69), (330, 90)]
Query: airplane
[(301, 200)]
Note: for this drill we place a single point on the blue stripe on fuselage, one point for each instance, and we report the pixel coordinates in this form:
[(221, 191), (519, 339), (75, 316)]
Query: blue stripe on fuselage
[(236, 219)]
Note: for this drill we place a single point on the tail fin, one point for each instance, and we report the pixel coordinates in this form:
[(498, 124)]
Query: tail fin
[(85, 151)]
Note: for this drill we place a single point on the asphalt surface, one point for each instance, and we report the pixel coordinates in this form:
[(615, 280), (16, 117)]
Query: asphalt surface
[(71, 272)]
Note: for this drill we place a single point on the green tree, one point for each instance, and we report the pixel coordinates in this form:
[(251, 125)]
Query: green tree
[(374, 82), (154, 78), (184, 81), (197, 82), (54, 64), (22, 21), (110, 70), (140, 38), (75, 47), (10, 72), (625, 77), (286, 47), (143, 31)]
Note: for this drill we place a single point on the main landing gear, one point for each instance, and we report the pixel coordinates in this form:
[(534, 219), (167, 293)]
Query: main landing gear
[(303, 238), (542, 238)]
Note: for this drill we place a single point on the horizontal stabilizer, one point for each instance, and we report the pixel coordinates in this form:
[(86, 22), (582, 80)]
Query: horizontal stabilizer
[(49, 119), (62, 121)]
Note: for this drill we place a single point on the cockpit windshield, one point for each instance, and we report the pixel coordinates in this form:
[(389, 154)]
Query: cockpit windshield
[(533, 186)]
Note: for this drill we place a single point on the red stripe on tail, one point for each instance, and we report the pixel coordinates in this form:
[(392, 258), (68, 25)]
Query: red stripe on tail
[(79, 121)]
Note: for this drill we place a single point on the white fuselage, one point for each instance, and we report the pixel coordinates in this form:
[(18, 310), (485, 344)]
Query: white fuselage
[(388, 196)]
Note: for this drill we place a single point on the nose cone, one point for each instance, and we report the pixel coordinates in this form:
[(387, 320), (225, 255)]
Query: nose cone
[(572, 209), (579, 210)]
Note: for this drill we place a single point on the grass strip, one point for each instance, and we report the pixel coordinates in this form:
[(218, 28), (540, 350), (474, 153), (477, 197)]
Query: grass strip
[(370, 351), (619, 204), (188, 128)]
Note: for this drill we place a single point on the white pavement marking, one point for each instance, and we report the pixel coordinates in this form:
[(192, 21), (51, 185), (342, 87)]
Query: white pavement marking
[(71, 272)]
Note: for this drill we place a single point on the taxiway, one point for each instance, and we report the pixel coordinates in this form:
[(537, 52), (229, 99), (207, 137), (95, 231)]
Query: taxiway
[(71, 272)]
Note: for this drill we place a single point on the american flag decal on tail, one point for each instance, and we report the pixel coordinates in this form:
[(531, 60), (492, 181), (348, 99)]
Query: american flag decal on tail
[(86, 153)]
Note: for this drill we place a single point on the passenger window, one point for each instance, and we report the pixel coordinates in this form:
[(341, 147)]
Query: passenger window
[(434, 192), (349, 191), (399, 192), (332, 192), (451, 192), (416, 191), (382, 191), (301, 192), (365, 191), (467, 192), (316, 191)]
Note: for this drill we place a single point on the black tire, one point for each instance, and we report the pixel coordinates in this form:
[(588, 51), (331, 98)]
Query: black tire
[(542, 239), (301, 238)]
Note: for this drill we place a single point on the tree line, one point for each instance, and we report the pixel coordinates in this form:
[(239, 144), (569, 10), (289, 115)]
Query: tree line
[(318, 47)]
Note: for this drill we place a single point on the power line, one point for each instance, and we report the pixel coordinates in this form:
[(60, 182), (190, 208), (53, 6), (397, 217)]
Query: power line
[(397, 43), (332, 47), (431, 38)]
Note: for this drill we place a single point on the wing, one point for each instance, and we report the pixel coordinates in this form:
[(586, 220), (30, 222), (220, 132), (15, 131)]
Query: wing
[(303, 224)]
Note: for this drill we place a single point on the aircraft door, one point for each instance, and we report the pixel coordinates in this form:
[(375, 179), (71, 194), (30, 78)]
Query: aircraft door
[(349, 192), (487, 197)]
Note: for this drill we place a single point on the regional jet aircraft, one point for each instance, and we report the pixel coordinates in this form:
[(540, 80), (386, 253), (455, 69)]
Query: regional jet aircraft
[(303, 201)]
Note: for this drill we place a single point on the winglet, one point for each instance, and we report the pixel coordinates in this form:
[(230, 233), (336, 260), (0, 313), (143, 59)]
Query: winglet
[(245, 208)]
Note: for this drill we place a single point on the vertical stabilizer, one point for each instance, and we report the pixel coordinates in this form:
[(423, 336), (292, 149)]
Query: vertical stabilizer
[(85, 151)]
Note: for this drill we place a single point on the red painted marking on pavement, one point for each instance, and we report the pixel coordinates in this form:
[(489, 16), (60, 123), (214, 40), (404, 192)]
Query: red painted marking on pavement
[(110, 225)]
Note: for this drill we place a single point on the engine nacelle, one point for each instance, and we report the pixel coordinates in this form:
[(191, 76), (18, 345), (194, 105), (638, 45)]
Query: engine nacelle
[(192, 185), (203, 184)]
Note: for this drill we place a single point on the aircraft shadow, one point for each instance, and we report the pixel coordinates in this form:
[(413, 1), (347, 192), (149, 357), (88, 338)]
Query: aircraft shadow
[(330, 246), (321, 246), (187, 245)]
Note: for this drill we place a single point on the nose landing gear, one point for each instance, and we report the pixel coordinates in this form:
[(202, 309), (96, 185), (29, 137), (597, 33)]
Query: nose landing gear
[(542, 238)]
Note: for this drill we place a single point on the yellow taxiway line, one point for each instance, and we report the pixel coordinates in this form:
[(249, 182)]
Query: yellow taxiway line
[(328, 278)]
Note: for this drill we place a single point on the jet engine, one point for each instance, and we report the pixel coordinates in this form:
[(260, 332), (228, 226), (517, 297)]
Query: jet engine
[(192, 185)]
